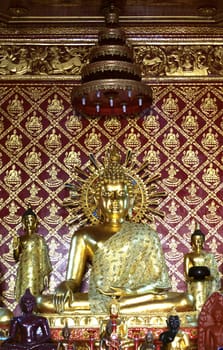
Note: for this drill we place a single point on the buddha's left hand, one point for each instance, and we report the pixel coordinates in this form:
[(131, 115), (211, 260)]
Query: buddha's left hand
[(114, 291)]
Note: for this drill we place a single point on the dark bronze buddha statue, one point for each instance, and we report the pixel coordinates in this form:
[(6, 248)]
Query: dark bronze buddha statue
[(29, 331)]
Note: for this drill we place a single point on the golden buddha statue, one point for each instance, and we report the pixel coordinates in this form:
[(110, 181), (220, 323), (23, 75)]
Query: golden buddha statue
[(201, 270), (127, 257), (31, 252)]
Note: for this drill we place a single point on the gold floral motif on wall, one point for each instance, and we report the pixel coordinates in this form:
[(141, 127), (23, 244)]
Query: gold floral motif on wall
[(41, 143)]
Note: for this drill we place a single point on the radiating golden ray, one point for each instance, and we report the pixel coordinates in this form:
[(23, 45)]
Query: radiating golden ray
[(82, 193), (81, 172), (128, 158), (94, 161)]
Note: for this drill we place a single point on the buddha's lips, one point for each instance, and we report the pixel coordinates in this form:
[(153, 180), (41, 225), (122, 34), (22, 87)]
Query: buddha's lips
[(115, 206)]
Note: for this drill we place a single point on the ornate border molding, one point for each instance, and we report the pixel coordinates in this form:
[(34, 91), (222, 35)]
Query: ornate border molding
[(42, 60)]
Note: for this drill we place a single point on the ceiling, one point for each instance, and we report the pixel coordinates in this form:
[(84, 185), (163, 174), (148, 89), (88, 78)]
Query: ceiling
[(80, 12)]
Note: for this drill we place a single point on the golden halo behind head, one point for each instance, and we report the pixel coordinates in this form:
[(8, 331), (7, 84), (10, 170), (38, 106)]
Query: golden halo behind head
[(142, 188)]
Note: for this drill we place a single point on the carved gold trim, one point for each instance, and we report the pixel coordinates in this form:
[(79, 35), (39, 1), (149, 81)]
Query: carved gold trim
[(61, 60)]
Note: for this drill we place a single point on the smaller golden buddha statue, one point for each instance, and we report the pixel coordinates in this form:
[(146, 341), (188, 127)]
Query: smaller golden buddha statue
[(31, 253), (201, 270)]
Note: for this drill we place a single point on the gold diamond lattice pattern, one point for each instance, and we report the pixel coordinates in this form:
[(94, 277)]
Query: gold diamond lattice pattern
[(41, 142)]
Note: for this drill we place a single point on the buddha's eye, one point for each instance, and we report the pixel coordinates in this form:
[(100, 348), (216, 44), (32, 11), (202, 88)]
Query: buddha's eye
[(106, 194), (122, 193)]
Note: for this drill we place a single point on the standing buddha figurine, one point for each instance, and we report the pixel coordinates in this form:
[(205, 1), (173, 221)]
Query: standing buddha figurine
[(201, 270), (31, 253)]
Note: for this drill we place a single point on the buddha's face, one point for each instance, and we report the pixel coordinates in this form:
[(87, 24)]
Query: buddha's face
[(197, 242), (218, 316), (174, 322), (27, 306), (29, 223), (114, 200)]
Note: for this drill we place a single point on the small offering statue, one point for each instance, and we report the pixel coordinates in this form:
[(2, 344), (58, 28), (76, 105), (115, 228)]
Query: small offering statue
[(29, 331), (148, 343), (114, 335), (174, 338)]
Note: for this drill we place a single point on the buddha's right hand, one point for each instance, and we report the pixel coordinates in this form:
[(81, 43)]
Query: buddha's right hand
[(64, 294), (15, 242)]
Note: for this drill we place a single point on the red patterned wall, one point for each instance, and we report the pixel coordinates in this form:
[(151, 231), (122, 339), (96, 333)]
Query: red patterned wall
[(41, 142)]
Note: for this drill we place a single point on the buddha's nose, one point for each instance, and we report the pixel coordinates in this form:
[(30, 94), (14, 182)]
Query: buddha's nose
[(114, 195)]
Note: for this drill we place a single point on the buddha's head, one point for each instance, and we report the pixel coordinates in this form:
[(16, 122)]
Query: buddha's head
[(114, 192), (197, 240), (217, 314), (27, 302), (173, 322), (29, 221)]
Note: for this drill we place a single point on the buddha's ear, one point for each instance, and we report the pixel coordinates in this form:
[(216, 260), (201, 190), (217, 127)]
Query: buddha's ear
[(132, 201), (131, 205)]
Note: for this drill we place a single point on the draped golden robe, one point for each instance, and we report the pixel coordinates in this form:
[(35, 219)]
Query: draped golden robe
[(132, 258)]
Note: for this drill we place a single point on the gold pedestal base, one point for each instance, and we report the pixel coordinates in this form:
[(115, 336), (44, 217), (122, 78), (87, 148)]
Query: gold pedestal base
[(85, 329), (149, 320)]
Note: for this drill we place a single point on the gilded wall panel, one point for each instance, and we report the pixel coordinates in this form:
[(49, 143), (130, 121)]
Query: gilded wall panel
[(41, 142)]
